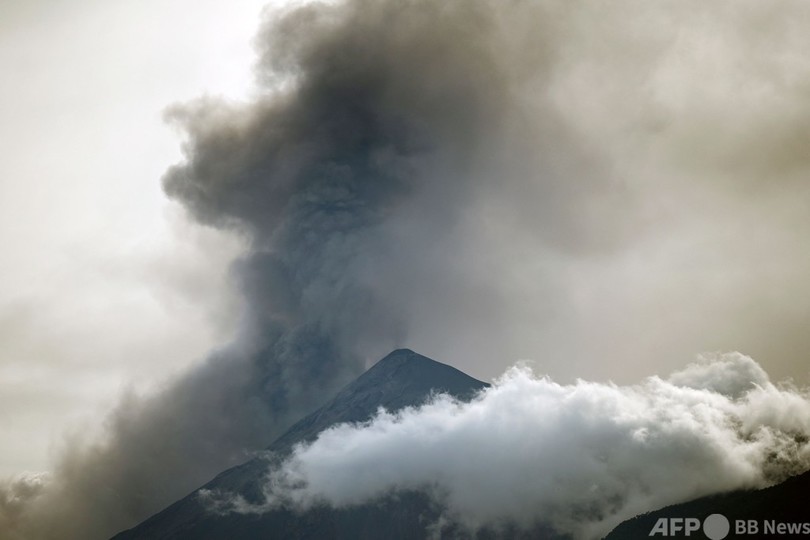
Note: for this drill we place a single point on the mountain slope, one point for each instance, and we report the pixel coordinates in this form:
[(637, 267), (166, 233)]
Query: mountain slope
[(401, 379), (785, 502)]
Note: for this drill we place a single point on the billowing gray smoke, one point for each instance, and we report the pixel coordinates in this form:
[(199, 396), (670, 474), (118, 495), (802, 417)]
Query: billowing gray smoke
[(490, 179), (370, 138)]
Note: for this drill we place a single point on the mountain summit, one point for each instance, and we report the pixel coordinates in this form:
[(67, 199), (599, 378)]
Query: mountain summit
[(401, 379)]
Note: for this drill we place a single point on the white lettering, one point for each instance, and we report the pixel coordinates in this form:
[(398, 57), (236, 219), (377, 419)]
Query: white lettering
[(660, 528)]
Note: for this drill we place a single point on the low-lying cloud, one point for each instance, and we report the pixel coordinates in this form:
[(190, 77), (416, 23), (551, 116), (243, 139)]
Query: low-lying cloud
[(581, 457)]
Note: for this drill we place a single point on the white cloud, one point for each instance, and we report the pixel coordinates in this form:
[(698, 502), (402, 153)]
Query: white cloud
[(530, 449)]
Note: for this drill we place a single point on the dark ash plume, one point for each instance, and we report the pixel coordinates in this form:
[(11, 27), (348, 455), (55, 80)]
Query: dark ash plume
[(372, 136)]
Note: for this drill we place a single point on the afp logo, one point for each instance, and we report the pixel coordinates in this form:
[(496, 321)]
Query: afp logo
[(715, 527)]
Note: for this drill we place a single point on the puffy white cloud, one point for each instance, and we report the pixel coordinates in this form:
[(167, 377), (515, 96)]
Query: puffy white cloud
[(731, 374), (581, 456)]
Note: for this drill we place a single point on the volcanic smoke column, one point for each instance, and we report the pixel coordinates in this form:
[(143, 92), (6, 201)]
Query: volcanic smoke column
[(363, 132), (352, 177)]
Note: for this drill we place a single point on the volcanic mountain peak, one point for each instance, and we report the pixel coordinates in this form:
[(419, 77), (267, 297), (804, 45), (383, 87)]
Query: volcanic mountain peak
[(405, 378), (401, 379)]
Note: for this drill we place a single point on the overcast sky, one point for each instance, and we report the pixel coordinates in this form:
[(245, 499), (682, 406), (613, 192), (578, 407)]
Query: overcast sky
[(695, 121), (103, 284)]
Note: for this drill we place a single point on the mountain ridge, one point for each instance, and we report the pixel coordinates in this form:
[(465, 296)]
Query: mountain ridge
[(784, 502)]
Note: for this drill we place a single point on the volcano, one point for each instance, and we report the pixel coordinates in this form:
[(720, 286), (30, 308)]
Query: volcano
[(406, 379), (401, 379)]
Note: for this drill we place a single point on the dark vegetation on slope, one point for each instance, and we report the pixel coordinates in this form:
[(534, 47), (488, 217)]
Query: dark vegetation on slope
[(786, 502)]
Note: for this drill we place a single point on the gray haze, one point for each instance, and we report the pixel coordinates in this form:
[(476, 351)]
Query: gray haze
[(104, 282), (608, 189)]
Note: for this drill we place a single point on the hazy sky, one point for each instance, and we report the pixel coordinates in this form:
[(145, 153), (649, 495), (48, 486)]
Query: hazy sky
[(607, 190), (102, 282)]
